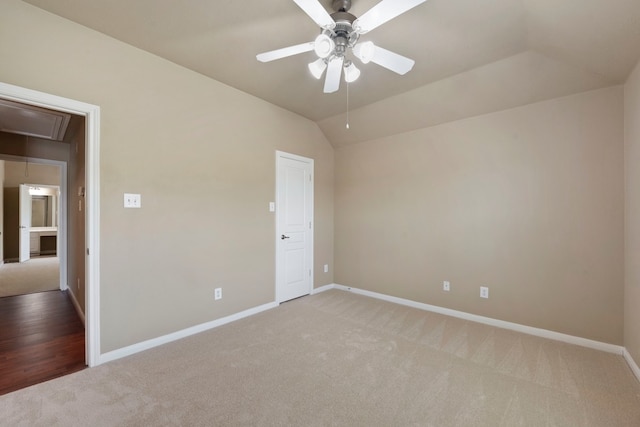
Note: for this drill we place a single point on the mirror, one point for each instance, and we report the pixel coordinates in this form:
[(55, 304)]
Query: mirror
[(43, 207)]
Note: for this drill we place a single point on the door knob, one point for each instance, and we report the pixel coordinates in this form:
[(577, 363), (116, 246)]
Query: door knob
[(284, 237)]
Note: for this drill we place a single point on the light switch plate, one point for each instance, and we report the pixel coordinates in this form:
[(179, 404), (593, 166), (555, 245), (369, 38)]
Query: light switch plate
[(132, 200)]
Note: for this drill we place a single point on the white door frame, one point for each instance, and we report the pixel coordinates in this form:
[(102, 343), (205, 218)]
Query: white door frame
[(92, 200), (279, 155), (24, 223)]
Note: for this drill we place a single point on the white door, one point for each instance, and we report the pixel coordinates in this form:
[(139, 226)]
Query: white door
[(294, 226), (25, 223)]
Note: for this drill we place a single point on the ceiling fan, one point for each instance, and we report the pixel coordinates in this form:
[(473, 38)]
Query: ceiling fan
[(341, 31)]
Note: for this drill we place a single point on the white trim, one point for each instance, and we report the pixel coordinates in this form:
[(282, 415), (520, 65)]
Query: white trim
[(543, 333), (323, 289), (632, 363), (92, 227), (165, 339), (92, 167), (76, 305)]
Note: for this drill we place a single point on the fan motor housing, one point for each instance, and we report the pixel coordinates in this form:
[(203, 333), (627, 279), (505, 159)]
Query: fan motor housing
[(343, 18), (344, 34), (341, 5)]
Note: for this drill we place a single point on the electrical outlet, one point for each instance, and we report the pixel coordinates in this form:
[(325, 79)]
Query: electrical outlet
[(446, 286), (326, 268), (484, 292), (218, 293)]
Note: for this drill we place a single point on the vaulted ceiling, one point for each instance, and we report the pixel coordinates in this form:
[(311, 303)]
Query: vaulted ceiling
[(472, 57)]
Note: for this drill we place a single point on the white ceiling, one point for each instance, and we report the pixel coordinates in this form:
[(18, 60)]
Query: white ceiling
[(472, 57)]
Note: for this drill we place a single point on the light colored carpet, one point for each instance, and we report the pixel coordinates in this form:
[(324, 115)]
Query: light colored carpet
[(35, 275), (342, 359)]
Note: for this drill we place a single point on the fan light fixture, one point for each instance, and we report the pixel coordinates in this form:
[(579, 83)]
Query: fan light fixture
[(365, 51), (317, 67), (323, 46), (351, 72), (339, 34)]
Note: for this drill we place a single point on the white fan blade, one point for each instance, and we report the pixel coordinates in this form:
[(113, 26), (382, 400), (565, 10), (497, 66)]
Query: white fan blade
[(392, 61), (314, 9), (334, 71), (383, 12), (284, 52)]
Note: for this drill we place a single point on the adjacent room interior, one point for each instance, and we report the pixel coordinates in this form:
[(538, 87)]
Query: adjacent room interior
[(43, 335), (495, 183)]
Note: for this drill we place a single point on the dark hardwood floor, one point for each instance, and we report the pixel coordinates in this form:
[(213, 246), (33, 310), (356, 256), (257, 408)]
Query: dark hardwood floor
[(41, 338)]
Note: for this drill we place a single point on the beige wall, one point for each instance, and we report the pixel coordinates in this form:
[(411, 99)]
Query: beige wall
[(76, 225), (21, 146), (17, 173), (632, 215), (528, 202), (202, 155)]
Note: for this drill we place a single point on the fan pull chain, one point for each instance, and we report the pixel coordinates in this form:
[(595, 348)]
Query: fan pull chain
[(347, 105)]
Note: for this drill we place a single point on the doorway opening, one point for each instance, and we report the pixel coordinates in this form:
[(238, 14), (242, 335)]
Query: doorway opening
[(38, 233), (90, 194)]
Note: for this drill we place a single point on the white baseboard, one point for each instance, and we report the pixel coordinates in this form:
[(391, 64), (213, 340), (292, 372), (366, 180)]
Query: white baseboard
[(543, 333), (76, 305), (145, 345), (632, 364), (323, 288)]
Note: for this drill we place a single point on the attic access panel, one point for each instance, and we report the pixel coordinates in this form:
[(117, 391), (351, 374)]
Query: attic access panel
[(29, 120)]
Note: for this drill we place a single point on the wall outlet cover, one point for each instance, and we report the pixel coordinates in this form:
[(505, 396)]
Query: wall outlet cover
[(484, 292)]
